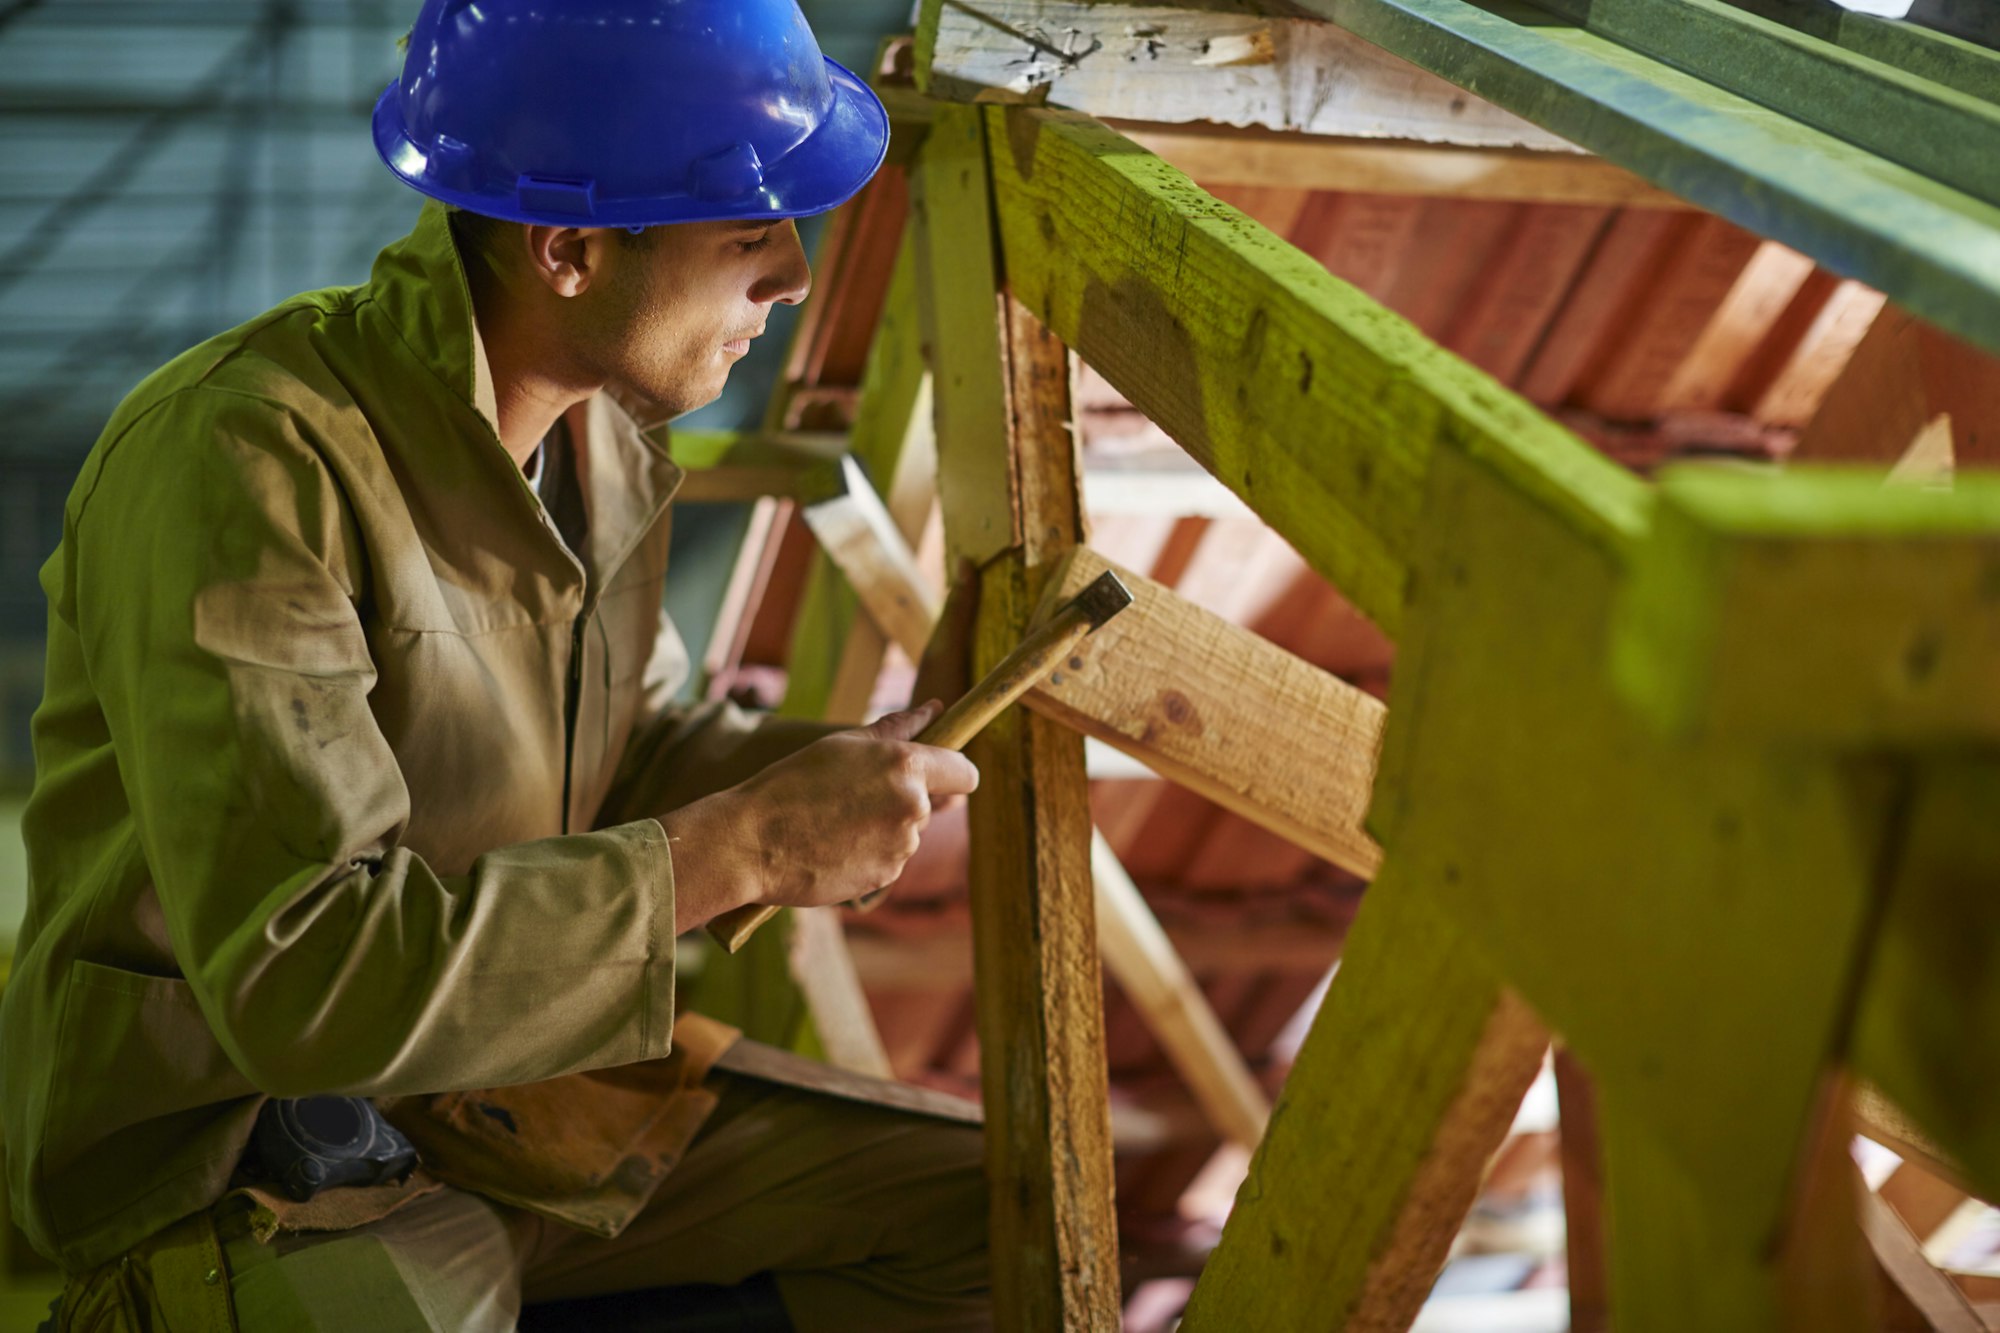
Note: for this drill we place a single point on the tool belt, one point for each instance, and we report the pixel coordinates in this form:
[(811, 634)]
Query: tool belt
[(309, 1144)]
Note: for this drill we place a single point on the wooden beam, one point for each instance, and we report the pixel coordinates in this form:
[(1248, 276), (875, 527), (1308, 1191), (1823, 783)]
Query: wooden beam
[(860, 537), (1925, 1202), (1905, 118), (1304, 397), (1227, 155), (1406, 1085), (1935, 56), (1943, 1306), (1217, 709), (1583, 1197), (1933, 249), (836, 653), (958, 271), (1007, 455), (1815, 606), (824, 970), (1903, 376), (1931, 1006), (1170, 64), (1140, 957)]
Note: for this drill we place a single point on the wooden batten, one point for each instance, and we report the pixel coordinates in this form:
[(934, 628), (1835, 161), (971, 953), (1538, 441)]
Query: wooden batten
[(1224, 713), (1169, 65)]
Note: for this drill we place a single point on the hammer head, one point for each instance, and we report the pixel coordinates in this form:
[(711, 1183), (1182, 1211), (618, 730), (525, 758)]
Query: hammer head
[(1102, 598)]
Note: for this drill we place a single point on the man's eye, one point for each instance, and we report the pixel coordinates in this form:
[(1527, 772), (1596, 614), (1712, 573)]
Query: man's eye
[(748, 247)]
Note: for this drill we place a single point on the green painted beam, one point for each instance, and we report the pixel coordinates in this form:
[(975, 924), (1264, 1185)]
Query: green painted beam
[(1815, 607), (1933, 249), (1314, 404), (1937, 56), (1947, 135)]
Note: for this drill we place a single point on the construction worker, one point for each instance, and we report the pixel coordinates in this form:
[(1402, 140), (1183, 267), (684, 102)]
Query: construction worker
[(364, 822)]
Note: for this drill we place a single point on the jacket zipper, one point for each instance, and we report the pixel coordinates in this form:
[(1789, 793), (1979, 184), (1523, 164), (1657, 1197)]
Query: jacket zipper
[(572, 692)]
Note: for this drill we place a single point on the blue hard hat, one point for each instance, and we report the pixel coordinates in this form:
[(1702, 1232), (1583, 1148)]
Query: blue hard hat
[(627, 113)]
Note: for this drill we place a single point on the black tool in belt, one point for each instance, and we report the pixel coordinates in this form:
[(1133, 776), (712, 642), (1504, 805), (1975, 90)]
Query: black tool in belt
[(308, 1144)]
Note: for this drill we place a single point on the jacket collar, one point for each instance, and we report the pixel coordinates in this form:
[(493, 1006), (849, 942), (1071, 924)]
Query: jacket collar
[(420, 284)]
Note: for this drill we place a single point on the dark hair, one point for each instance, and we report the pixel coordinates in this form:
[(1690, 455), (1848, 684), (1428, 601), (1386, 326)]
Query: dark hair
[(482, 236)]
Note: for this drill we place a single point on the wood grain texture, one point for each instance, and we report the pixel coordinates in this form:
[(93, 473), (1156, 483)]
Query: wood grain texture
[(1932, 248), (1140, 957), (1008, 476), (1901, 377), (1816, 606), (1903, 117), (1689, 916), (1583, 1198), (959, 303), (1227, 155), (1211, 706), (1308, 400), (1683, 296), (1405, 1086), (1169, 64)]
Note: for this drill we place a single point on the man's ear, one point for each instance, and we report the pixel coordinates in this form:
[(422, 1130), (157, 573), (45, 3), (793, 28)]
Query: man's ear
[(565, 258)]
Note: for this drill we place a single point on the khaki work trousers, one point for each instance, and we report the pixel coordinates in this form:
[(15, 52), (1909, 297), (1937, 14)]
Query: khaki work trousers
[(869, 1218)]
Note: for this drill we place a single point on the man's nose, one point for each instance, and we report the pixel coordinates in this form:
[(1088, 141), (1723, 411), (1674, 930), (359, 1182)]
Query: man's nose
[(790, 277)]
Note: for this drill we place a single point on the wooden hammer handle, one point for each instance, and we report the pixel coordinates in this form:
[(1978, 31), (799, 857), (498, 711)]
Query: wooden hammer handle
[(953, 729)]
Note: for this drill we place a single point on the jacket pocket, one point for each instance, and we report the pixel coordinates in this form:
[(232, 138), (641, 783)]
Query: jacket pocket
[(143, 1096)]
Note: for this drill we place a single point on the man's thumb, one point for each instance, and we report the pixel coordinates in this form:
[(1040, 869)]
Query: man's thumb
[(903, 725)]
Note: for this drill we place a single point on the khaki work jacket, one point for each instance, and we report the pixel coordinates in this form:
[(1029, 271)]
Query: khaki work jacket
[(347, 769)]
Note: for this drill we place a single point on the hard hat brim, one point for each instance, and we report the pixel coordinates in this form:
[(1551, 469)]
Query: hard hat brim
[(823, 172)]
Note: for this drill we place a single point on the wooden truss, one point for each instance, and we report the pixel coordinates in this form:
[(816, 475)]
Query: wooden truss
[(1697, 776)]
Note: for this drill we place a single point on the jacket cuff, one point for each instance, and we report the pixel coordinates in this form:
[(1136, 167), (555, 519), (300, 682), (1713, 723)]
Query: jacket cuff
[(656, 999)]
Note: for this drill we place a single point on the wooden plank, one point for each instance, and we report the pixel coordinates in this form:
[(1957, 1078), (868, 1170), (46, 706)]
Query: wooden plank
[(1681, 302), (1212, 707), (1139, 956), (1231, 155), (1923, 1201), (1815, 606), (1943, 1306), (1619, 268), (1931, 248), (1583, 1197), (1455, 243), (1228, 338), (958, 299), (1931, 128), (1169, 64), (1796, 392), (1936, 56), (1766, 288), (1360, 238), (1406, 1084), (826, 977), (858, 534), (1706, 993), (1502, 320), (1008, 476), (1902, 376), (1931, 1005)]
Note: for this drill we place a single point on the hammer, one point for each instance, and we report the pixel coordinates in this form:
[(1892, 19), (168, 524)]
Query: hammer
[(1104, 598)]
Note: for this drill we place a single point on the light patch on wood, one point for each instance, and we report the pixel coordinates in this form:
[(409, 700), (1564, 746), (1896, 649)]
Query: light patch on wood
[(1168, 65)]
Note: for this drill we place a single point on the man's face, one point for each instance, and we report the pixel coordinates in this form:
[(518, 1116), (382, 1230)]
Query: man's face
[(671, 311)]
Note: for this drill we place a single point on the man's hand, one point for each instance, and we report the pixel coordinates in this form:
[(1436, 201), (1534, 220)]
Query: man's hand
[(826, 825)]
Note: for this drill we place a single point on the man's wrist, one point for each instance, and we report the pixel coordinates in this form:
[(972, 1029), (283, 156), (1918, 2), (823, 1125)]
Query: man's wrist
[(710, 875)]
